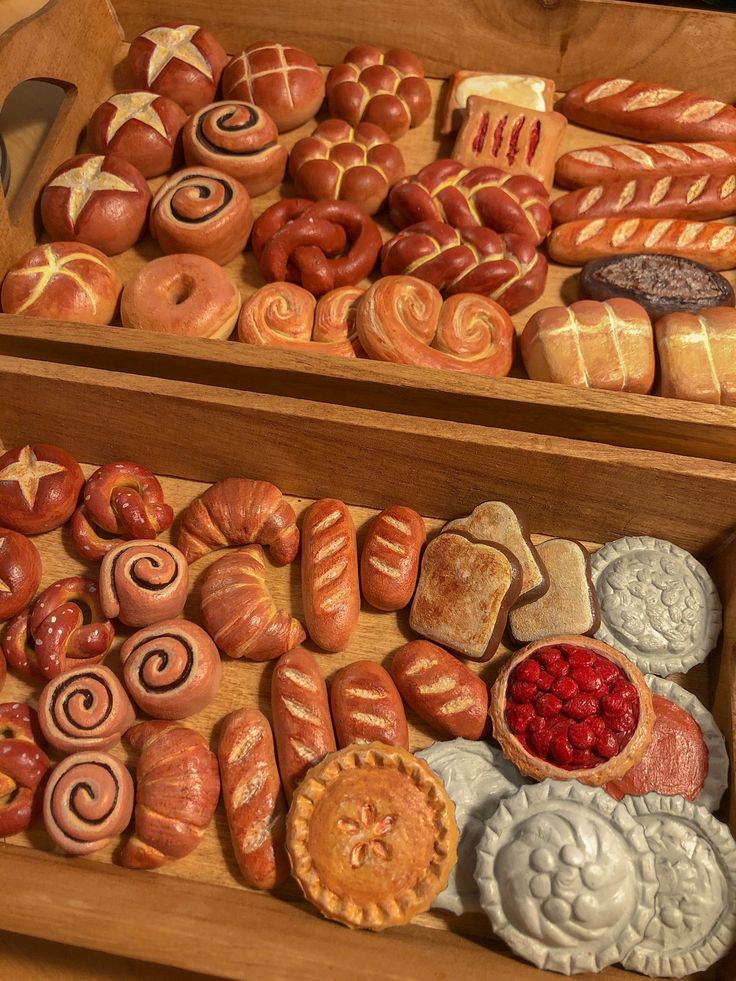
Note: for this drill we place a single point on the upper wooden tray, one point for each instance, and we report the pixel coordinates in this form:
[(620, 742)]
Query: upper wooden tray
[(569, 41)]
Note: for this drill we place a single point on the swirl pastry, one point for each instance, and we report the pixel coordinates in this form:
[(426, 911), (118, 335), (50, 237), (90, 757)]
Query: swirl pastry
[(85, 708), (88, 800), (23, 765), (286, 315), (20, 573), (320, 245), (239, 613), (239, 139), (64, 628), (403, 319), (239, 511), (171, 669), (505, 268), (143, 582), (204, 212), (121, 499)]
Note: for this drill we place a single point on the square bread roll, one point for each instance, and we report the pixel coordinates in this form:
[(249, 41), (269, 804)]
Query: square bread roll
[(697, 355)]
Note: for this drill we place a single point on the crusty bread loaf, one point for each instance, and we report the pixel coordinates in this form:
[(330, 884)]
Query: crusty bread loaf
[(697, 355), (627, 161)]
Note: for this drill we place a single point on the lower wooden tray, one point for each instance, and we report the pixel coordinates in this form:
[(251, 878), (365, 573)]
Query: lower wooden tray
[(194, 912)]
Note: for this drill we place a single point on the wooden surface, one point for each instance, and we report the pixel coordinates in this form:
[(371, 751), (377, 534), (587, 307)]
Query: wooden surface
[(593, 492), (626, 420)]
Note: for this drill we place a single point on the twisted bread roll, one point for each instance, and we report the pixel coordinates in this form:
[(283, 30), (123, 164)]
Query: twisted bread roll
[(177, 793), (447, 191), (284, 315), (23, 765), (85, 708), (88, 800), (143, 582), (122, 499), (65, 627), (239, 511), (255, 807), (403, 319), (20, 573), (239, 613), (202, 211), (171, 669), (507, 269)]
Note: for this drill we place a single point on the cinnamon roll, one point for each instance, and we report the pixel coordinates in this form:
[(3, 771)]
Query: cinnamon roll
[(87, 708), (143, 582)]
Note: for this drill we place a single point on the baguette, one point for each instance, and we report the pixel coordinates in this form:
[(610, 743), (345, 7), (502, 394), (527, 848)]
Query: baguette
[(330, 587), (366, 707), (300, 711), (647, 111), (389, 562), (697, 197), (251, 789), (711, 243), (627, 161)]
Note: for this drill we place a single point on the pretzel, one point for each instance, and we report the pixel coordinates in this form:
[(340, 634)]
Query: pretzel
[(121, 499), (403, 319), (64, 627), (23, 765), (388, 89), (504, 268), (318, 245), (447, 191), (338, 161), (286, 315)]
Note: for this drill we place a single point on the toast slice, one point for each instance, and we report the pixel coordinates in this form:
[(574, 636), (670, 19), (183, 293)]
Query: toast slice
[(465, 591)]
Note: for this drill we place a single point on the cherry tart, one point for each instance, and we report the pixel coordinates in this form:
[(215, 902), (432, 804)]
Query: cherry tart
[(572, 708)]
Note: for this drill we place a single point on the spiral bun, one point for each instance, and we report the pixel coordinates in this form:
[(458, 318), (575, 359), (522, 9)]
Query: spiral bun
[(88, 800), (143, 582), (172, 669), (85, 709)]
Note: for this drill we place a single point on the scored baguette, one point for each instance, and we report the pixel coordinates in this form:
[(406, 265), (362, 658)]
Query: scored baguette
[(711, 243), (695, 196), (627, 161), (647, 111), (389, 562), (366, 706)]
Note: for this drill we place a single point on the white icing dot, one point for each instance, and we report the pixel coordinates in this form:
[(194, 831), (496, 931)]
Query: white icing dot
[(53, 619)]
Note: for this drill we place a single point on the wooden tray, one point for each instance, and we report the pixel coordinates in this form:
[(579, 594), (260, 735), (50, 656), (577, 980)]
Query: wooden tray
[(79, 43), (194, 912)]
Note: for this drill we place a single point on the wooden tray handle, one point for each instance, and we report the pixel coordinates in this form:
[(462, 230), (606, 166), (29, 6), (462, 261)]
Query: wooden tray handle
[(71, 43)]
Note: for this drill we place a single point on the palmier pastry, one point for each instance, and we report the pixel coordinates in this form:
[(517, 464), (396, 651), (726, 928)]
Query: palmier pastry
[(171, 669), (239, 139), (85, 708), (203, 211), (447, 191), (239, 613), (404, 320), (338, 161), (23, 765), (572, 708), (39, 487), (177, 793), (186, 295), (123, 500), (505, 268), (371, 835), (20, 573), (320, 245), (181, 61), (282, 79), (385, 88), (101, 201), (239, 511), (87, 802), (143, 582), (63, 281), (286, 315), (141, 127), (64, 628)]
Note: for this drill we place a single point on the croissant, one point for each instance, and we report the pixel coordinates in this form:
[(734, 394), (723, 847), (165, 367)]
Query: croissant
[(177, 793), (238, 612), (239, 511)]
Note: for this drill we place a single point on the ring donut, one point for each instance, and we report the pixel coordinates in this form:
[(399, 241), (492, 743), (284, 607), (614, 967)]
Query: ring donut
[(186, 295)]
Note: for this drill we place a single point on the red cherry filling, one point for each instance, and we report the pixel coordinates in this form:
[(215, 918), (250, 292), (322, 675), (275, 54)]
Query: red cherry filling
[(571, 706)]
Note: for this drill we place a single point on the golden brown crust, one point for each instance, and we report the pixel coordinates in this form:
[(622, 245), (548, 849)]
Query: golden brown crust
[(540, 769), (371, 836)]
